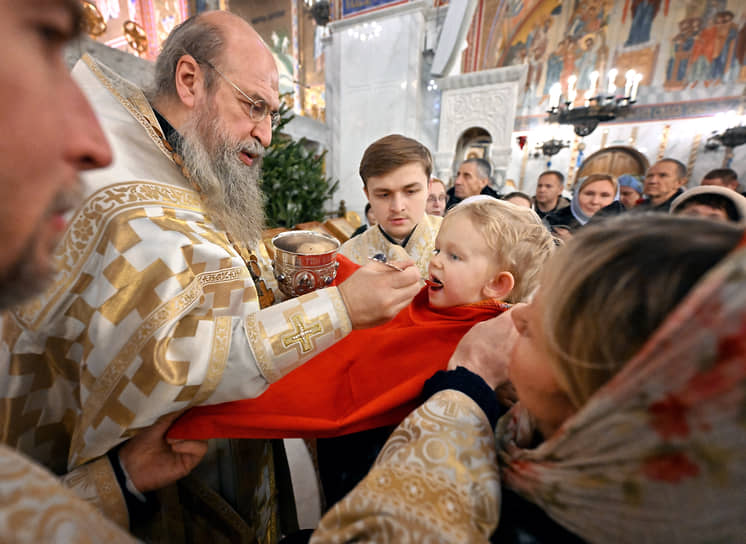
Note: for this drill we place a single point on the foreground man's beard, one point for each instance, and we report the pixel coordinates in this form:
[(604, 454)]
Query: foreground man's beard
[(35, 266), (231, 188), (24, 279)]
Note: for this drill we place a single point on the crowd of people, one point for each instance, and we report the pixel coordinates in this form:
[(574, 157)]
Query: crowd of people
[(601, 401)]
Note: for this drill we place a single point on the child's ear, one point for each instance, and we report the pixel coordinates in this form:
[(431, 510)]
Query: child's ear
[(500, 286)]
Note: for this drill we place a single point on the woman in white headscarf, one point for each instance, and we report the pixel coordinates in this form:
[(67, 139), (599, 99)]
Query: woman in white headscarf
[(591, 193)]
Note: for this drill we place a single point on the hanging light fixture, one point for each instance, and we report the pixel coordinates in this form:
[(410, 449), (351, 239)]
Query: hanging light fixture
[(319, 10), (731, 134), (136, 37), (93, 21), (598, 106)]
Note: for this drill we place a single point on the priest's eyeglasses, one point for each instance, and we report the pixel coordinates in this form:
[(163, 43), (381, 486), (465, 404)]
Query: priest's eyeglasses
[(258, 109)]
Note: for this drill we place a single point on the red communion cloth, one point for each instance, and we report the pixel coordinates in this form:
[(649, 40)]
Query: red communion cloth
[(371, 378)]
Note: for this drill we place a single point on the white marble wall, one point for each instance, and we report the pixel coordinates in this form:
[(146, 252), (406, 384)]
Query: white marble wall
[(373, 88), (487, 100)]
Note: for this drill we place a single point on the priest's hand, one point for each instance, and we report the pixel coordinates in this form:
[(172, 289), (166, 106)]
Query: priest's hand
[(375, 293), (486, 350), (154, 461)]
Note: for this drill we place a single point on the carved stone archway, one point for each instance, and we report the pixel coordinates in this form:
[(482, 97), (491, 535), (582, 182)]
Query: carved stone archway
[(484, 99)]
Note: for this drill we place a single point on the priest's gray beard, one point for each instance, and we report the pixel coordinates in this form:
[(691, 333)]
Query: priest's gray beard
[(231, 188)]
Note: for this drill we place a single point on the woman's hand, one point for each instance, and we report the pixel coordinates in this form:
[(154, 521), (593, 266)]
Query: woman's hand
[(486, 349)]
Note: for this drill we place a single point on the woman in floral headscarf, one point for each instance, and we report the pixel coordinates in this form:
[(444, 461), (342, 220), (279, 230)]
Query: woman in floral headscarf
[(630, 367)]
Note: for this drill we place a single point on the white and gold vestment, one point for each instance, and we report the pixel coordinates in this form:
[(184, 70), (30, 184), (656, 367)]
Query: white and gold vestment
[(152, 310), (419, 246), (435, 480), (35, 507)]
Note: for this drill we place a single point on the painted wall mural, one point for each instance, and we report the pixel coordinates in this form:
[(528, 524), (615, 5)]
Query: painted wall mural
[(686, 50)]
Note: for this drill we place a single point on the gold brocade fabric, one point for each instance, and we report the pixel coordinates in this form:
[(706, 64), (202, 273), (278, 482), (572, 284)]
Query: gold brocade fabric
[(419, 246), (34, 507), (152, 309), (435, 480)]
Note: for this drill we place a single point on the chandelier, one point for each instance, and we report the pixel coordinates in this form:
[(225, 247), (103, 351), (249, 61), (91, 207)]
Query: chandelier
[(551, 147), (730, 137), (597, 107), (319, 10)]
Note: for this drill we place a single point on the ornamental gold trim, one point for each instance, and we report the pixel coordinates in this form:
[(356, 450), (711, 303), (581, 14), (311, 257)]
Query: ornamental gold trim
[(87, 229), (130, 97), (114, 371), (255, 333), (109, 493), (221, 343)]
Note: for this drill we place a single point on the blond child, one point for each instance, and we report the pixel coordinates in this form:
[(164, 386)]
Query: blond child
[(487, 249), (487, 253)]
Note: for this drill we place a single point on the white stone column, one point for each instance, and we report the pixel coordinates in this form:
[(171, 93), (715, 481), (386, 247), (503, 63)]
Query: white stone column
[(486, 100)]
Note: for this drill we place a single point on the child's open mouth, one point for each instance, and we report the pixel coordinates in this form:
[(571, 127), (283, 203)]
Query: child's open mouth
[(434, 283)]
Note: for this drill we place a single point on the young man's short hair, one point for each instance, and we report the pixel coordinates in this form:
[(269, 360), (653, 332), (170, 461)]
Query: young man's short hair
[(681, 172), (391, 152), (559, 175), (728, 175), (520, 242)]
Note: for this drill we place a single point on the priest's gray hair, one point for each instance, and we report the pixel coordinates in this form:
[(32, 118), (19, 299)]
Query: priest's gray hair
[(197, 37)]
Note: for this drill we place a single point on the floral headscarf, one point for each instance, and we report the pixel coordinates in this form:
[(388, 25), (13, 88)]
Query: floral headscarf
[(659, 453)]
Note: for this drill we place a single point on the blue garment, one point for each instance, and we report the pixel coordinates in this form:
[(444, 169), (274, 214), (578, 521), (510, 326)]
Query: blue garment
[(642, 21)]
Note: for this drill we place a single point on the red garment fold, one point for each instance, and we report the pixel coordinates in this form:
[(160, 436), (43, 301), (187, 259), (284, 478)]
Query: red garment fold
[(370, 378)]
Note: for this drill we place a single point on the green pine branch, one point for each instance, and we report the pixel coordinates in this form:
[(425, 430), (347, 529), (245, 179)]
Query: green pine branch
[(293, 180)]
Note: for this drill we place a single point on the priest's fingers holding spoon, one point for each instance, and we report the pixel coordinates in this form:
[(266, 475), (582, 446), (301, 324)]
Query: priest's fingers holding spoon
[(375, 293)]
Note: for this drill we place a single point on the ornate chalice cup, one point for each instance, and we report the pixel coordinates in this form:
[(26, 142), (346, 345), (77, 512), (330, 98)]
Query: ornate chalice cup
[(304, 261)]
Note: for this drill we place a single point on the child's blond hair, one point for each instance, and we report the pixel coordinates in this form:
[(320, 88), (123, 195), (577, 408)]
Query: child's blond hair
[(521, 244)]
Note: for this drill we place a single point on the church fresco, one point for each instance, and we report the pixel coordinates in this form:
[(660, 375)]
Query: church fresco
[(692, 46)]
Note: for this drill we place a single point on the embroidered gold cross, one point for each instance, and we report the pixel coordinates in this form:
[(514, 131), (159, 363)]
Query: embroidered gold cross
[(300, 335)]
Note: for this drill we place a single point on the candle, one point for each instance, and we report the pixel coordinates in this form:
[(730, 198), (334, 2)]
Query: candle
[(628, 81), (571, 84), (571, 96), (554, 95), (635, 84), (588, 96), (612, 81), (593, 77)]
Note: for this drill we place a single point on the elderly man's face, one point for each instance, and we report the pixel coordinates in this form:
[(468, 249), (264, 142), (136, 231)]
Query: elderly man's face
[(662, 181), (222, 144), (50, 135), (257, 78), (468, 182)]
